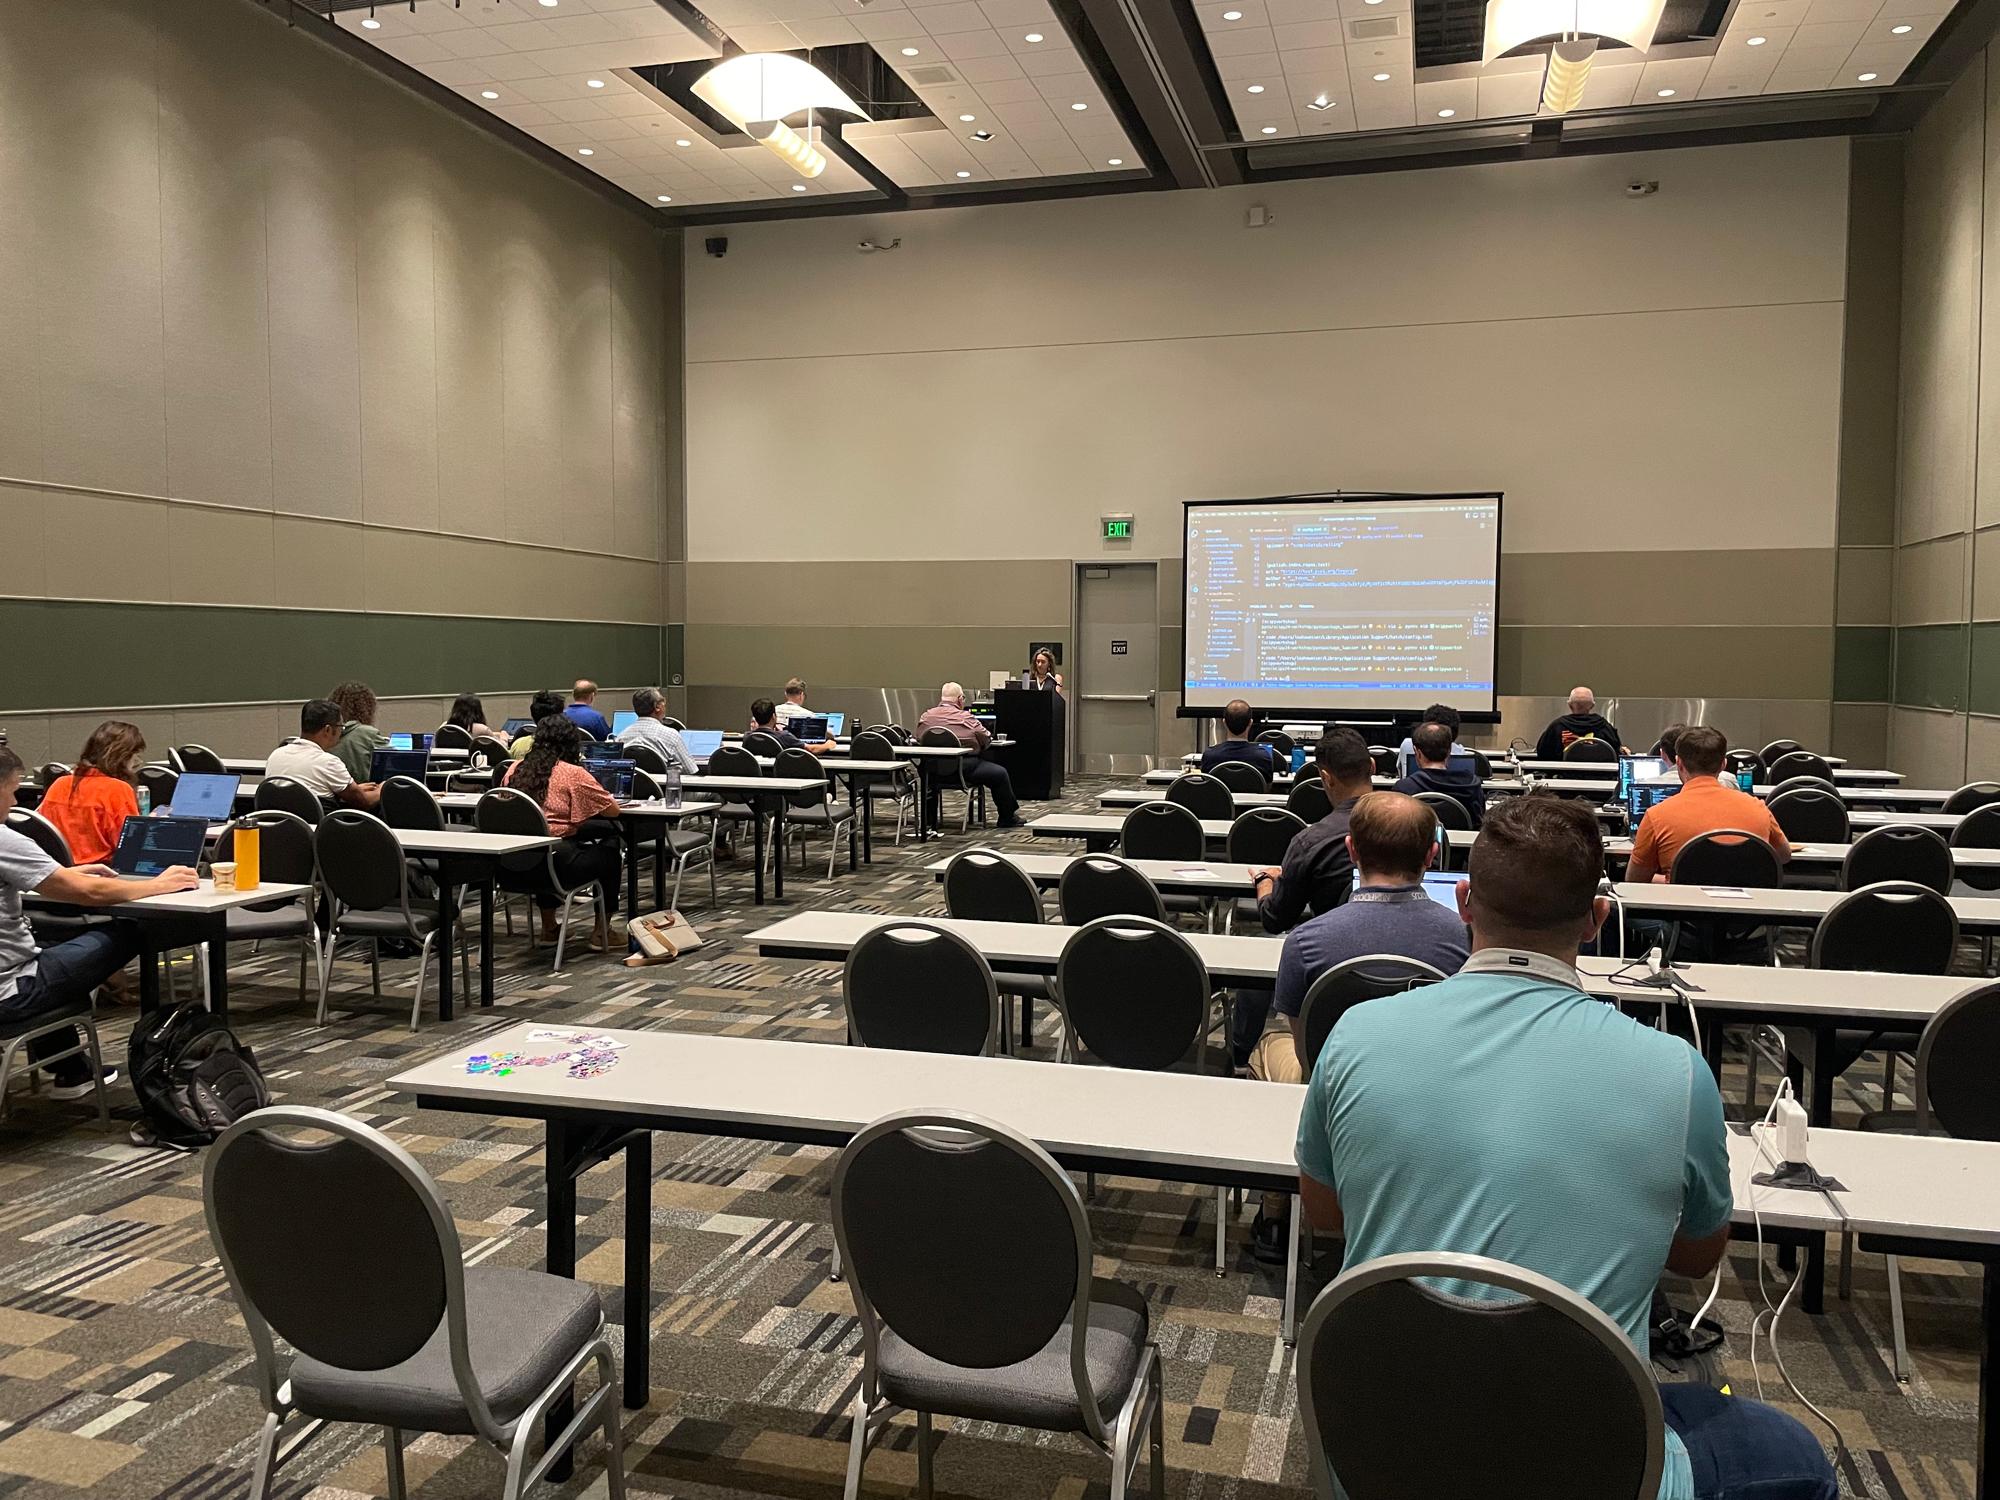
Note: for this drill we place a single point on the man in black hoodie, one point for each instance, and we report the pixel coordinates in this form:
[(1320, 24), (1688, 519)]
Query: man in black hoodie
[(1583, 721), (1434, 773)]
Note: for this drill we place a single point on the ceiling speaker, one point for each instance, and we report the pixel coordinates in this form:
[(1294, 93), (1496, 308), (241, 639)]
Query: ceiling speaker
[(931, 76)]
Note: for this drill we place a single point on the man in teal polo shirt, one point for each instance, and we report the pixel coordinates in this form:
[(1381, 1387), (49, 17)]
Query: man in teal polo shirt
[(1505, 1113)]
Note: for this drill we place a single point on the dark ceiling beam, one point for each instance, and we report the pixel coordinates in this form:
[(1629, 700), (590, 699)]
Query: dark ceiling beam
[(852, 206), (1162, 72)]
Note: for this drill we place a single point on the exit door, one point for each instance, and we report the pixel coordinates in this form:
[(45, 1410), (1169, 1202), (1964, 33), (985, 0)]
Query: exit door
[(1114, 677)]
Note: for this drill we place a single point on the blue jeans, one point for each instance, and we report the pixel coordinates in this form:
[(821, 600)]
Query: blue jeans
[(1744, 1450), (64, 974)]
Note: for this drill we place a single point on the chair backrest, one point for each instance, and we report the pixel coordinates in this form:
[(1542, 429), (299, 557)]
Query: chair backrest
[(488, 750), (1133, 992), (505, 810), (1897, 927), (1811, 815), (1735, 760), (1204, 796), (1279, 741), (931, 1213), (199, 760), (762, 743), (1807, 784), (287, 795), (981, 886), (46, 836), (451, 737), (1776, 748), (1162, 830), (1309, 800), (1973, 794), (408, 803), (917, 987), (1261, 835), (1978, 829), (159, 782), (896, 734), (1102, 885), (1956, 1062), (292, 1220), (284, 845), (802, 765), (1347, 985), (1898, 852), (946, 769), (646, 758), (1586, 1421), (674, 724), (872, 744), (1451, 813), (1799, 763), (1482, 767), (360, 861), (1727, 856), (1240, 776), (1590, 750), (734, 760), (50, 772)]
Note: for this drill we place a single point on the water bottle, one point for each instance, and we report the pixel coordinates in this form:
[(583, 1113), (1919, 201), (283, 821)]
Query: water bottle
[(1298, 759), (145, 803), (670, 786), (1746, 777)]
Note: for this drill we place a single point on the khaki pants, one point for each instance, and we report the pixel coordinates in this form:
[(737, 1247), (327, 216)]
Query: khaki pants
[(1275, 1059)]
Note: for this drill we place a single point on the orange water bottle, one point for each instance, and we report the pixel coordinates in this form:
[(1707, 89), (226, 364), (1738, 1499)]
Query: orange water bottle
[(246, 849)]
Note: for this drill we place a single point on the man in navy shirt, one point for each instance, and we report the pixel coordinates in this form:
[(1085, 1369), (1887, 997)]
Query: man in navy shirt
[(1434, 772), (1239, 746)]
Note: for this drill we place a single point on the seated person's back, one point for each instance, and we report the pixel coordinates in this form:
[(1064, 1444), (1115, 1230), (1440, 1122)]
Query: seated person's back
[(1702, 805), (1238, 745), (90, 805), (1433, 772), (1581, 722)]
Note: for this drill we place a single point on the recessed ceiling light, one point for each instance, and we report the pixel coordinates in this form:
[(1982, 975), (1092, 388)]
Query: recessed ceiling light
[(1446, 114), (488, 94), (798, 187), (372, 24), (1079, 105), (982, 135), (1322, 102), (585, 151), (1381, 77), (666, 198), (1270, 130), (1256, 88), (1665, 94), (596, 83), (1033, 36), (967, 119), (551, 4), (964, 174), (909, 52), (1864, 78), (1232, 15), (1116, 161), (1902, 30), (1758, 41)]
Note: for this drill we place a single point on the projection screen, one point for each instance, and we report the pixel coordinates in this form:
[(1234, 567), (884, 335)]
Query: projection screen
[(1362, 605)]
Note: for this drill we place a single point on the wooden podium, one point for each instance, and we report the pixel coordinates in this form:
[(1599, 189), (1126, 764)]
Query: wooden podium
[(1038, 724)]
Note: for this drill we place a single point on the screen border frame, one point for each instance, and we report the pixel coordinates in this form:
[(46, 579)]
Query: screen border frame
[(1357, 716)]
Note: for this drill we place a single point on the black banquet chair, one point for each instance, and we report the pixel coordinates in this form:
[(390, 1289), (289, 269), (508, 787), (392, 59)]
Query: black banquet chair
[(1896, 852), (1347, 985), (367, 879), (1240, 776), (419, 1343), (1973, 794), (981, 885), (1163, 830), (196, 760), (917, 987), (1589, 1422), (286, 795), (159, 782), (971, 1266), (1799, 763), (1203, 795), (1600, 751), (1309, 800), (1102, 885)]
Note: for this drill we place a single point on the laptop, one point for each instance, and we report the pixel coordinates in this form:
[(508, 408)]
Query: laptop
[(410, 741), (1644, 794), (148, 846), (622, 722), (1633, 768), (603, 750), (1462, 764), (836, 724), (386, 763), (702, 743), (615, 776), (1442, 887), (210, 798), (809, 727), (513, 729)]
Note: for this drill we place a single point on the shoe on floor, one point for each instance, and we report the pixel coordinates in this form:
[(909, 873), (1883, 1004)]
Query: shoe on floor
[(1267, 1239), (78, 1085), (1012, 823)]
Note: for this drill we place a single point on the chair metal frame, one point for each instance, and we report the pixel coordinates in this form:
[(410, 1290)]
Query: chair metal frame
[(565, 895), (82, 1016), (599, 1409), (353, 817), (259, 819)]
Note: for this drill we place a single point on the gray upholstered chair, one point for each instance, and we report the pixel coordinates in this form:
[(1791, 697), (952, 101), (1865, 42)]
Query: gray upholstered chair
[(17, 1033), (1586, 1421), (970, 1262), (421, 1342), (919, 987)]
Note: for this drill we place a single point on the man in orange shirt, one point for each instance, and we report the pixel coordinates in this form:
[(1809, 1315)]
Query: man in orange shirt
[(1702, 805)]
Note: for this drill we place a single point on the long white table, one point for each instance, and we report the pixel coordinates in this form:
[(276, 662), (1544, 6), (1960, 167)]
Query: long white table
[(1789, 904), (1179, 877), (1101, 830)]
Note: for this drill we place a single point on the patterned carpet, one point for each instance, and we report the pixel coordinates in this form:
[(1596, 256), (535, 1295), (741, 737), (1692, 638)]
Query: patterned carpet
[(124, 1371)]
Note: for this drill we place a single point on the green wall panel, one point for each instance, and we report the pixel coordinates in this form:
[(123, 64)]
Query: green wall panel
[(1930, 666), (1864, 660), (68, 654), (1985, 675)]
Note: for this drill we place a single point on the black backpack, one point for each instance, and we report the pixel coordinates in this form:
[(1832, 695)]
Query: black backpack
[(193, 1079)]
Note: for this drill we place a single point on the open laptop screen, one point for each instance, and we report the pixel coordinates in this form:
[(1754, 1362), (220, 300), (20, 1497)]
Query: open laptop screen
[(146, 846), (622, 722), (211, 798), (836, 724), (809, 727), (386, 763), (702, 743), (615, 776)]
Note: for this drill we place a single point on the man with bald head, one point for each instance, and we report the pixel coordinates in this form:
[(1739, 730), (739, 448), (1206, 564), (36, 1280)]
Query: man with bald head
[(1582, 722), (949, 713), (582, 710)]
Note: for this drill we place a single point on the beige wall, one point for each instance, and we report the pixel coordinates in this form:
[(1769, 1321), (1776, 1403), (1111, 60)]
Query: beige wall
[(278, 334), (1648, 376)]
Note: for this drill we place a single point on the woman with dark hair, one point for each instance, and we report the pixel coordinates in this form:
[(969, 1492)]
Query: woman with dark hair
[(543, 705), (90, 805), (469, 714), (359, 738), (579, 813)]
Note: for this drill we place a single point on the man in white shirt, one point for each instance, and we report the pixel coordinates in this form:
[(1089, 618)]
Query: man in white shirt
[(651, 730), (794, 706), (310, 761)]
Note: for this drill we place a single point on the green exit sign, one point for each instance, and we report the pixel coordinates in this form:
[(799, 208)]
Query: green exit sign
[(1117, 528)]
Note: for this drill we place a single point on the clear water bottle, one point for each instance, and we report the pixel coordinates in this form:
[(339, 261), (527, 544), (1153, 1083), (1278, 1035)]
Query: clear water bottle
[(145, 803), (670, 786), (1746, 778)]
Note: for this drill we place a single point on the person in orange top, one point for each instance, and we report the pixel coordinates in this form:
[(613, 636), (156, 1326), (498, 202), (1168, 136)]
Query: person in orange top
[(577, 809), (90, 805), (1702, 805)]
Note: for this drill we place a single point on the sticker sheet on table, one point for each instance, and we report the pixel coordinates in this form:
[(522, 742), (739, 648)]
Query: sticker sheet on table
[(585, 1055)]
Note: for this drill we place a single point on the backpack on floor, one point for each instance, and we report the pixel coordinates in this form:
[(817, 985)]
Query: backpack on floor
[(193, 1079)]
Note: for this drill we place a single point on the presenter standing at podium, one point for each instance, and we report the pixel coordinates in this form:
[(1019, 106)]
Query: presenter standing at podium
[(1042, 673)]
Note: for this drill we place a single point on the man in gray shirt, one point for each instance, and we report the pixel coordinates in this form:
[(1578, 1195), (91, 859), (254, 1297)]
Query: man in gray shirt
[(652, 730), (35, 981), (1392, 839)]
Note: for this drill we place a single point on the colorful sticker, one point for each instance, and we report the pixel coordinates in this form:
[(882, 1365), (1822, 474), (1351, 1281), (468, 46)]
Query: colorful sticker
[(587, 1056)]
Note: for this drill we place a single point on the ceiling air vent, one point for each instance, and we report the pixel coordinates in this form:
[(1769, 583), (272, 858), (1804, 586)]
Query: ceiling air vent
[(1375, 29), (930, 77)]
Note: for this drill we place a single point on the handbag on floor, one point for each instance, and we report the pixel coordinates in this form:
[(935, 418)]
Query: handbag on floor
[(659, 938)]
